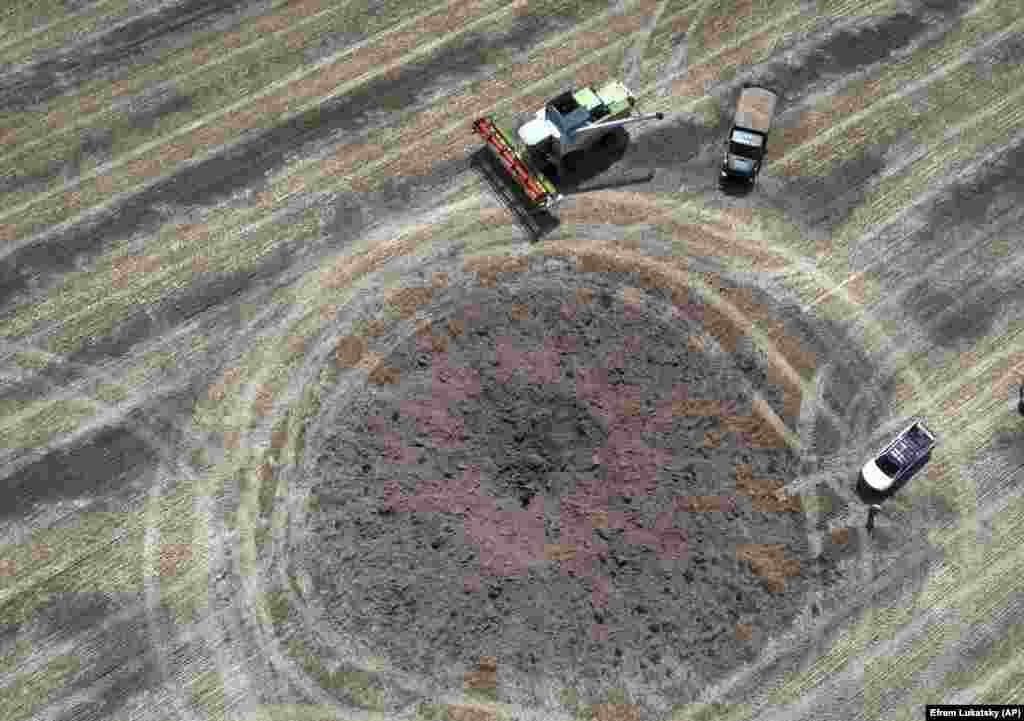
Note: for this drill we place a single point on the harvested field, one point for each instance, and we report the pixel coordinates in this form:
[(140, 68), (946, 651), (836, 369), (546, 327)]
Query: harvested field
[(299, 422)]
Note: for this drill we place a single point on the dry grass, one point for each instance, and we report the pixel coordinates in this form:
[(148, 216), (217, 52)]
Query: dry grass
[(469, 713), (347, 270), (127, 266), (559, 552), (519, 312), (173, 557), (383, 375), (406, 301), (487, 268), (715, 26), (706, 504), (700, 78), (769, 562), (710, 240), (456, 327), (485, 678), (812, 123), (615, 712), (450, 144), (349, 351)]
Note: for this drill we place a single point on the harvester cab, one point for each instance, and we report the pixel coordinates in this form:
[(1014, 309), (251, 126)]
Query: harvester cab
[(570, 122), (577, 119)]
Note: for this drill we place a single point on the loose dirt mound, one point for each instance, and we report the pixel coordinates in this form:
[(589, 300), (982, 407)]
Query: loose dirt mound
[(552, 476)]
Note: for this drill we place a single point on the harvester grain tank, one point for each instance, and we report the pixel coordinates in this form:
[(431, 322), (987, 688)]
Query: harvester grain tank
[(570, 123), (748, 140)]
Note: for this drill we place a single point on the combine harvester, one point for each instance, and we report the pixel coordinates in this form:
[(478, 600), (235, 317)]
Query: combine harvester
[(570, 123)]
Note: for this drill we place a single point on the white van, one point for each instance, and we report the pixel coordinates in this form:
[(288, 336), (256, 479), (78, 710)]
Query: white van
[(901, 459)]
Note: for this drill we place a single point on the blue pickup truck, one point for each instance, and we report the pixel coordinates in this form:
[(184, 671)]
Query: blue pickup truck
[(901, 459)]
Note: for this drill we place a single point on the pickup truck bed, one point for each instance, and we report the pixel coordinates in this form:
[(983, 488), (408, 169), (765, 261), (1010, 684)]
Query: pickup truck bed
[(755, 109)]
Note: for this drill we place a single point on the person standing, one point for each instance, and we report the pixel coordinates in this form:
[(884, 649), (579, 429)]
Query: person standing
[(1020, 403), (873, 510)]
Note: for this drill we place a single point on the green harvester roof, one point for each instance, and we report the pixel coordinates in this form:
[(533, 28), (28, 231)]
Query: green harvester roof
[(615, 96), (587, 98)]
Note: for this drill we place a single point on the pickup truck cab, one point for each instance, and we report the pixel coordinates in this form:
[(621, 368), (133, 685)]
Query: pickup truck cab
[(748, 140), (902, 458)]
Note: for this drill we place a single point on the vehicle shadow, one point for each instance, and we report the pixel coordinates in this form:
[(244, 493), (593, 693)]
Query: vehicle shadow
[(535, 223), (581, 167), (645, 178), (578, 169), (735, 188)]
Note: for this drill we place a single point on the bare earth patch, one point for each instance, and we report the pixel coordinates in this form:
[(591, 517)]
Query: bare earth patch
[(550, 499)]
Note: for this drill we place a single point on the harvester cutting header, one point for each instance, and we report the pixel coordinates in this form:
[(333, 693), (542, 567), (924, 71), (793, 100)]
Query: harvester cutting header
[(569, 123)]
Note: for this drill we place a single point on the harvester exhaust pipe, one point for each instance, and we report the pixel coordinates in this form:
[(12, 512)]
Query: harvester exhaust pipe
[(619, 123)]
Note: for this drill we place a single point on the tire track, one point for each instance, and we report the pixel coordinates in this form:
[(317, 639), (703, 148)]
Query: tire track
[(897, 219), (634, 56), (809, 389), (159, 84), (675, 94), (286, 196), (799, 643), (882, 205), (41, 81), (903, 87), (100, 555), (906, 635), (942, 267), (860, 84), (311, 193), (169, 455), (440, 252), (62, 17), (294, 88), (898, 357), (810, 406), (134, 403), (99, 171)]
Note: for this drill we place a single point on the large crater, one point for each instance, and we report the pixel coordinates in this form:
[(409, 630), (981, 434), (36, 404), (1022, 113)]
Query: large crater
[(566, 479)]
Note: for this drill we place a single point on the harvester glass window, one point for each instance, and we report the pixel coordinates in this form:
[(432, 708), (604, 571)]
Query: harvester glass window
[(565, 103)]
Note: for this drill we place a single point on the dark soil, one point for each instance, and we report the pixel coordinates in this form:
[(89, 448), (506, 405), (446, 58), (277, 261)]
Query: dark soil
[(500, 449)]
